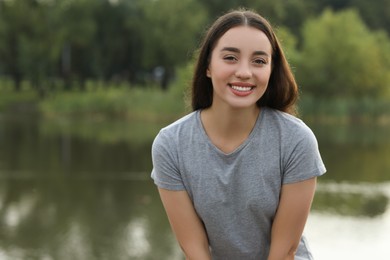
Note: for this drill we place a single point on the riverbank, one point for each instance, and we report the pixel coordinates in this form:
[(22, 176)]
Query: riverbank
[(130, 103), (147, 104), (152, 104)]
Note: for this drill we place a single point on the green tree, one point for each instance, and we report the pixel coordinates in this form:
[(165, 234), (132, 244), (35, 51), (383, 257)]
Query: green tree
[(341, 57), (14, 25), (39, 46), (290, 14), (117, 40), (289, 44), (294, 14), (375, 13), (33, 35), (77, 29), (170, 33)]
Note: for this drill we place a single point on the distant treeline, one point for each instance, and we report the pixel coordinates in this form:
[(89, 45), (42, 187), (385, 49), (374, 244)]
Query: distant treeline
[(336, 47)]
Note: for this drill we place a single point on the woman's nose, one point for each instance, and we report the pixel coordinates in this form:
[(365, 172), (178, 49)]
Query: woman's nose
[(243, 71)]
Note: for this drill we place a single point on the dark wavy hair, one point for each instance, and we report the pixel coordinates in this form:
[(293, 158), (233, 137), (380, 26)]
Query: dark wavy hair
[(282, 90)]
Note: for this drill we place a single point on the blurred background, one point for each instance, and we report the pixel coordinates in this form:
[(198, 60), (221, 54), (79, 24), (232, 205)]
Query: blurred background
[(85, 85)]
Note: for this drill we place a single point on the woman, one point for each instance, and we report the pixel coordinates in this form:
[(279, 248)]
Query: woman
[(237, 176)]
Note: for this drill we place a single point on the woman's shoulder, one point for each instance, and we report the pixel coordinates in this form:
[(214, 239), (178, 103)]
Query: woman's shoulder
[(169, 138), (283, 116), (287, 123), (184, 122), (177, 129)]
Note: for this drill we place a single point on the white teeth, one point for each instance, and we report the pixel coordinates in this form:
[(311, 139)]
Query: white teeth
[(239, 88)]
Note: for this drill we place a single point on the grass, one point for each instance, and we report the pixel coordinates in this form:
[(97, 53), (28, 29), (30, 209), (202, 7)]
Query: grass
[(345, 111), (149, 104), (8, 96)]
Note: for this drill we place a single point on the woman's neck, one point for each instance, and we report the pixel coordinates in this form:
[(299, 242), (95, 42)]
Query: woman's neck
[(226, 119), (228, 128)]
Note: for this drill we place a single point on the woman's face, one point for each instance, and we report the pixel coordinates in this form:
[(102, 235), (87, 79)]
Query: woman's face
[(240, 67)]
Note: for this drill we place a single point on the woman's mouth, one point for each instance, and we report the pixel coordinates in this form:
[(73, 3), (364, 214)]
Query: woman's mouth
[(241, 89)]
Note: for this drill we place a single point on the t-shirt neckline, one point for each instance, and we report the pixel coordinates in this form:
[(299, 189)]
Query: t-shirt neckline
[(254, 131)]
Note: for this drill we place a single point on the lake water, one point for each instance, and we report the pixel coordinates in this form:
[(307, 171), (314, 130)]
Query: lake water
[(81, 190)]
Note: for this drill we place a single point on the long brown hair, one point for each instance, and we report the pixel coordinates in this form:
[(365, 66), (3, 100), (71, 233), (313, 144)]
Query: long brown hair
[(282, 90)]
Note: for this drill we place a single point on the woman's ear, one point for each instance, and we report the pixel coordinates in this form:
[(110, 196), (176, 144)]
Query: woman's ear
[(208, 74)]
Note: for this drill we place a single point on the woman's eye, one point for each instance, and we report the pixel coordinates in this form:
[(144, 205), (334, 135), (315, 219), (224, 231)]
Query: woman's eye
[(229, 58), (260, 61)]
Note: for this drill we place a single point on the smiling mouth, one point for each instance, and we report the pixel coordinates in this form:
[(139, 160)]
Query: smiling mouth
[(241, 88)]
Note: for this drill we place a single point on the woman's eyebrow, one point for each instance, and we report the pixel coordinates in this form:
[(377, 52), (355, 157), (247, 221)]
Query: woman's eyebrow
[(231, 49), (262, 53), (236, 50)]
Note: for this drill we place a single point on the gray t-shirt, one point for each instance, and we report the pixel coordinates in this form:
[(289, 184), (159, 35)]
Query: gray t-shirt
[(236, 195)]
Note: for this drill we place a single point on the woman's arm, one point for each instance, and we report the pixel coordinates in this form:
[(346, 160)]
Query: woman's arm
[(290, 219), (186, 224)]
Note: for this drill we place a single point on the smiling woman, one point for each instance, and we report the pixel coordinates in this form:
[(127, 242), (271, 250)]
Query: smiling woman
[(237, 175), (237, 62)]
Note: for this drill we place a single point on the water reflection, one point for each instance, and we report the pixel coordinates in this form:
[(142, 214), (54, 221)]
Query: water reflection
[(31, 148), (363, 200), (355, 153), (81, 190), (83, 219), (335, 236)]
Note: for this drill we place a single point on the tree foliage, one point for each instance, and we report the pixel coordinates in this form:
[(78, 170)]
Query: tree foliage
[(63, 43), (341, 57), (75, 40), (170, 39)]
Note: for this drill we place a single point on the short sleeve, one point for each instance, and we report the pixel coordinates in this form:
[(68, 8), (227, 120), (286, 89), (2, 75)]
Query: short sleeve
[(303, 160), (165, 171)]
